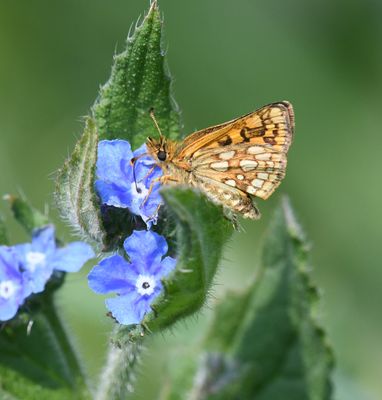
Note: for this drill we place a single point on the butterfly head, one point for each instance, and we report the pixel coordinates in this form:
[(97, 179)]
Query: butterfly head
[(160, 149)]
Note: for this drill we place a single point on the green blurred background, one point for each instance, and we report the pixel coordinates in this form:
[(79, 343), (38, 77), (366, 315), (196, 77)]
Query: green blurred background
[(227, 58)]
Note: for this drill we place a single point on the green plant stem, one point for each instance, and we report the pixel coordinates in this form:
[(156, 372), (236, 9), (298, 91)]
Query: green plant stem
[(118, 376)]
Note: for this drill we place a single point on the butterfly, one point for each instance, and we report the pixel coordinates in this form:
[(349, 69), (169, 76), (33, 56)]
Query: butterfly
[(231, 162)]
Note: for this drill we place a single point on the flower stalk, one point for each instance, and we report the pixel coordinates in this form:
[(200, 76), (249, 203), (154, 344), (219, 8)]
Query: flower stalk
[(118, 376)]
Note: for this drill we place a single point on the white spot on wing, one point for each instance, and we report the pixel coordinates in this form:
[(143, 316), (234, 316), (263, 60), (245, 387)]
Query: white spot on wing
[(230, 182), (262, 175), (220, 166), (258, 183), (248, 165), (263, 157), (255, 150), (227, 155)]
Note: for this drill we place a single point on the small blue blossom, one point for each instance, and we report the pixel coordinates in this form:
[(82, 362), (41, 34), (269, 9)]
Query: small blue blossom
[(137, 282), (40, 258), (13, 287), (119, 184)]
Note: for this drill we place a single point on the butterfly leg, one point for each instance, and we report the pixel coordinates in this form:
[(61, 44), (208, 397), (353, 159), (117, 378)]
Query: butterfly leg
[(162, 179), (232, 217), (152, 217), (150, 172)]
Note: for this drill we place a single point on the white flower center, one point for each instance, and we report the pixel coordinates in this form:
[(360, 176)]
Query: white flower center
[(145, 284), (7, 289), (35, 259)]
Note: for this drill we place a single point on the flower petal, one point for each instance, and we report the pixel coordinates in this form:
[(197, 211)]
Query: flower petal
[(8, 309), (112, 275), (129, 309), (71, 257), (37, 279), (145, 249), (112, 194), (113, 158), (166, 266), (36, 274), (13, 288), (44, 240), (9, 263)]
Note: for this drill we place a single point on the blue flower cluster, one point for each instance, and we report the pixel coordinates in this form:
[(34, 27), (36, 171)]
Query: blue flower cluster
[(26, 268), (136, 278)]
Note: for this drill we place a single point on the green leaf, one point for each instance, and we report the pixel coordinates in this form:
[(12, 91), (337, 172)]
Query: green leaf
[(75, 195), (202, 232), (27, 216), (37, 360), (139, 81), (265, 344), (3, 232)]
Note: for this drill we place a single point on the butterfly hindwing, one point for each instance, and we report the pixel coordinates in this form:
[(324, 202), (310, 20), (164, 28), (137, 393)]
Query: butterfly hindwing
[(256, 170)]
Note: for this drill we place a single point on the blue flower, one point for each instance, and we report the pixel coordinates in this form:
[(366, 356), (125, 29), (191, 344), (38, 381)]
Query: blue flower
[(39, 258), (137, 282), (13, 288), (121, 185)]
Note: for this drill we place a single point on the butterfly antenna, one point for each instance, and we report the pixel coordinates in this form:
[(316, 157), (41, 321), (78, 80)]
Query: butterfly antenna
[(156, 123)]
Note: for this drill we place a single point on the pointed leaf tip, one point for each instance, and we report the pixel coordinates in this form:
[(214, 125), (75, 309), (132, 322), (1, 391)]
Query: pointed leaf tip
[(139, 81)]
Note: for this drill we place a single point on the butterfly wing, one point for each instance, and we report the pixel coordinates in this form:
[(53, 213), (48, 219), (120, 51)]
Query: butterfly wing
[(248, 154), (272, 124), (257, 170)]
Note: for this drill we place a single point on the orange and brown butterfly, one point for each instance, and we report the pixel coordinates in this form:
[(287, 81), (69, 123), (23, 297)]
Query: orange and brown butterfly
[(233, 161)]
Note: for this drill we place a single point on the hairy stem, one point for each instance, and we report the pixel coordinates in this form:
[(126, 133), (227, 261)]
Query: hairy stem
[(118, 376)]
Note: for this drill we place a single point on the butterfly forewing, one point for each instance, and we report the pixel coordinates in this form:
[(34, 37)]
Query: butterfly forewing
[(272, 124), (249, 153)]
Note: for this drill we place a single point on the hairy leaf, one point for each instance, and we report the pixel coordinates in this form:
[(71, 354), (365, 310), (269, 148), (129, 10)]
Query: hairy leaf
[(265, 344), (139, 81), (273, 340), (75, 195)]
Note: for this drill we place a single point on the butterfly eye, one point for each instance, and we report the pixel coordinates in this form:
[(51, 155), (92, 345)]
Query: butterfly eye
[(161, 155)]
